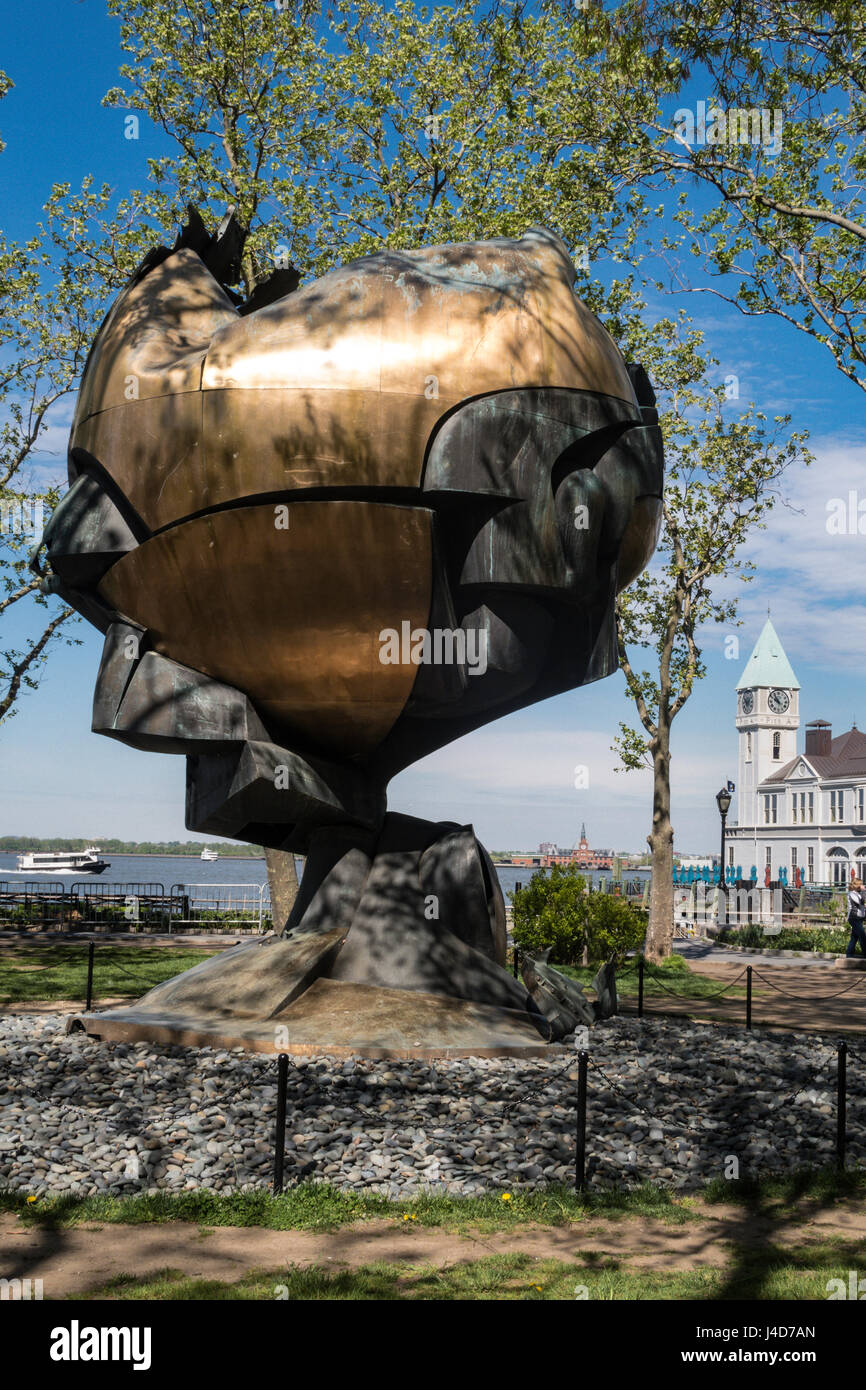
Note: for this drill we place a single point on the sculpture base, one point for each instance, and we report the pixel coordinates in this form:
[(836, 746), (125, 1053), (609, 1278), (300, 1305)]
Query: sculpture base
[(335, 1018), (395, 947)]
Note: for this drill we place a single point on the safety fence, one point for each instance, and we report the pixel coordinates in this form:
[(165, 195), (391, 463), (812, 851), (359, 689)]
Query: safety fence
[(832, 1067), (830, 1072), (749, 973), (640, 970), (134, 907)]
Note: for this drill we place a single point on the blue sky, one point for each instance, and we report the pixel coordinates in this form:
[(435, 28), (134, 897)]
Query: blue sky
[(513, 779)]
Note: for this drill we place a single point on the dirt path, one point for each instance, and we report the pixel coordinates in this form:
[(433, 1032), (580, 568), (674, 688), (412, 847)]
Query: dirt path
[(79, 1258)]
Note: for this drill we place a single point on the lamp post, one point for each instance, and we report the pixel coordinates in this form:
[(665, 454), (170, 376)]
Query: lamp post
[(723, 801)]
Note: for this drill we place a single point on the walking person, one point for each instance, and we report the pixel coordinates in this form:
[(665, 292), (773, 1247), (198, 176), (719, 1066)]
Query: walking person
[(856, 917)]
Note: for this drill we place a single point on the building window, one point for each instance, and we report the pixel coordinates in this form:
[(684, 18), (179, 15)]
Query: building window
[(810, 864), (793, 861), (771, 809), (794, 810), (766, 810), (861, 799), (768, 856), (748, 748), (811, 807), (731, 855), (837, 804), (837, 861), (777, 747)]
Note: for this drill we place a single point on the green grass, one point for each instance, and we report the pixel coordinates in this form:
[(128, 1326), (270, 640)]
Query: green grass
[(672, 976), (58, 970), (801, 1274), (752, 1270), (826, 1185), (318, 1206)]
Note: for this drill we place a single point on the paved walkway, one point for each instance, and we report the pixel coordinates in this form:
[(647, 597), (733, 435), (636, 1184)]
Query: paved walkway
[(815, 997), (694, 951)]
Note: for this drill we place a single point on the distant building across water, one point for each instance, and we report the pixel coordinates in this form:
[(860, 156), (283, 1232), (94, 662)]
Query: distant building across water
[(580, 854)]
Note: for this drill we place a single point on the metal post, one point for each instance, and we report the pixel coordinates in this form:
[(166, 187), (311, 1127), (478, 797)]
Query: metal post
[(90, 948), (280, 1136), (580, 1154), (748, 996), (517, 887), (640, 986), (841, 1103), (723, 900)]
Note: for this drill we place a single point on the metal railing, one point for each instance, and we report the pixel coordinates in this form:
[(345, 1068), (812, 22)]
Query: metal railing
[(223, 906), (134, 907)]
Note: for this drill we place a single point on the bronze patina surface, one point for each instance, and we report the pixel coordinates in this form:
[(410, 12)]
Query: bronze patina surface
[(325, 532), (346, 379), (256, 582)]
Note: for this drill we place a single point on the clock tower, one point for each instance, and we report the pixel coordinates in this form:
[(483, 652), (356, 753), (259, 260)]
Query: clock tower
[(768, 717)]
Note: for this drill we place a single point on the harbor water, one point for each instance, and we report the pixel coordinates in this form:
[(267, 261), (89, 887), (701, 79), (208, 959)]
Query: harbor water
[(190, 872)]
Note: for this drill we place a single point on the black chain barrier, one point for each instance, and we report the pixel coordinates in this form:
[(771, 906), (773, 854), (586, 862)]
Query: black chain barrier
[(824, 998), (677, 995), (842, 1053)]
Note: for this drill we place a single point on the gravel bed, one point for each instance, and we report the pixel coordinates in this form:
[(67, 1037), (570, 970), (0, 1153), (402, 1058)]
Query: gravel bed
[(670, 1101)]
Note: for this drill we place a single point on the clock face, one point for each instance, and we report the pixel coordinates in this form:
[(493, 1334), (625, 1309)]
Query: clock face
[(747, 701), (779, 701)]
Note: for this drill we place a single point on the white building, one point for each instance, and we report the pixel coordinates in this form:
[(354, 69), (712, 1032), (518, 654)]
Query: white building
[(803, 811)]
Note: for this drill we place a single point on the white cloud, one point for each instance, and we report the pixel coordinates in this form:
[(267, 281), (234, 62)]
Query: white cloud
[(814, 581), (539, 764)]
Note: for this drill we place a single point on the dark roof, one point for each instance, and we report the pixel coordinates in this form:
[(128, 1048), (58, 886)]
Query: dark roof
[(847, 758)]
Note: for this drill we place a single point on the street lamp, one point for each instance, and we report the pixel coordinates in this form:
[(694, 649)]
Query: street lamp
[(723, 801)]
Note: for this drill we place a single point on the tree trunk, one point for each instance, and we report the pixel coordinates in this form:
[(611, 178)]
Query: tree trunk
[(283, 883), (660, 931)]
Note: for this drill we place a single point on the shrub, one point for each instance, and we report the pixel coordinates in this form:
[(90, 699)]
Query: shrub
[(556, 912), (788, 939), (614, 928), (550, 913), (749, 935)]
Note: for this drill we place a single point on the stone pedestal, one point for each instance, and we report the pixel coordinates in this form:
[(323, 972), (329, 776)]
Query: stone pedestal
[(395, 946)]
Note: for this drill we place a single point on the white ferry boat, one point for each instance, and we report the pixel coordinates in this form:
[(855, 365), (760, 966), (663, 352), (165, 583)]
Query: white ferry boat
[(210, 855), (84, 861)]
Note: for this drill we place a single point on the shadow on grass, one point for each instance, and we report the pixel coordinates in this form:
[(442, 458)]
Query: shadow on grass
[(769, 1206), (799, 1275), (318, 1206)]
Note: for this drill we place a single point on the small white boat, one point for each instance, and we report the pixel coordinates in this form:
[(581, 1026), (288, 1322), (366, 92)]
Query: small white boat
[(84, 861), (209, 855)]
